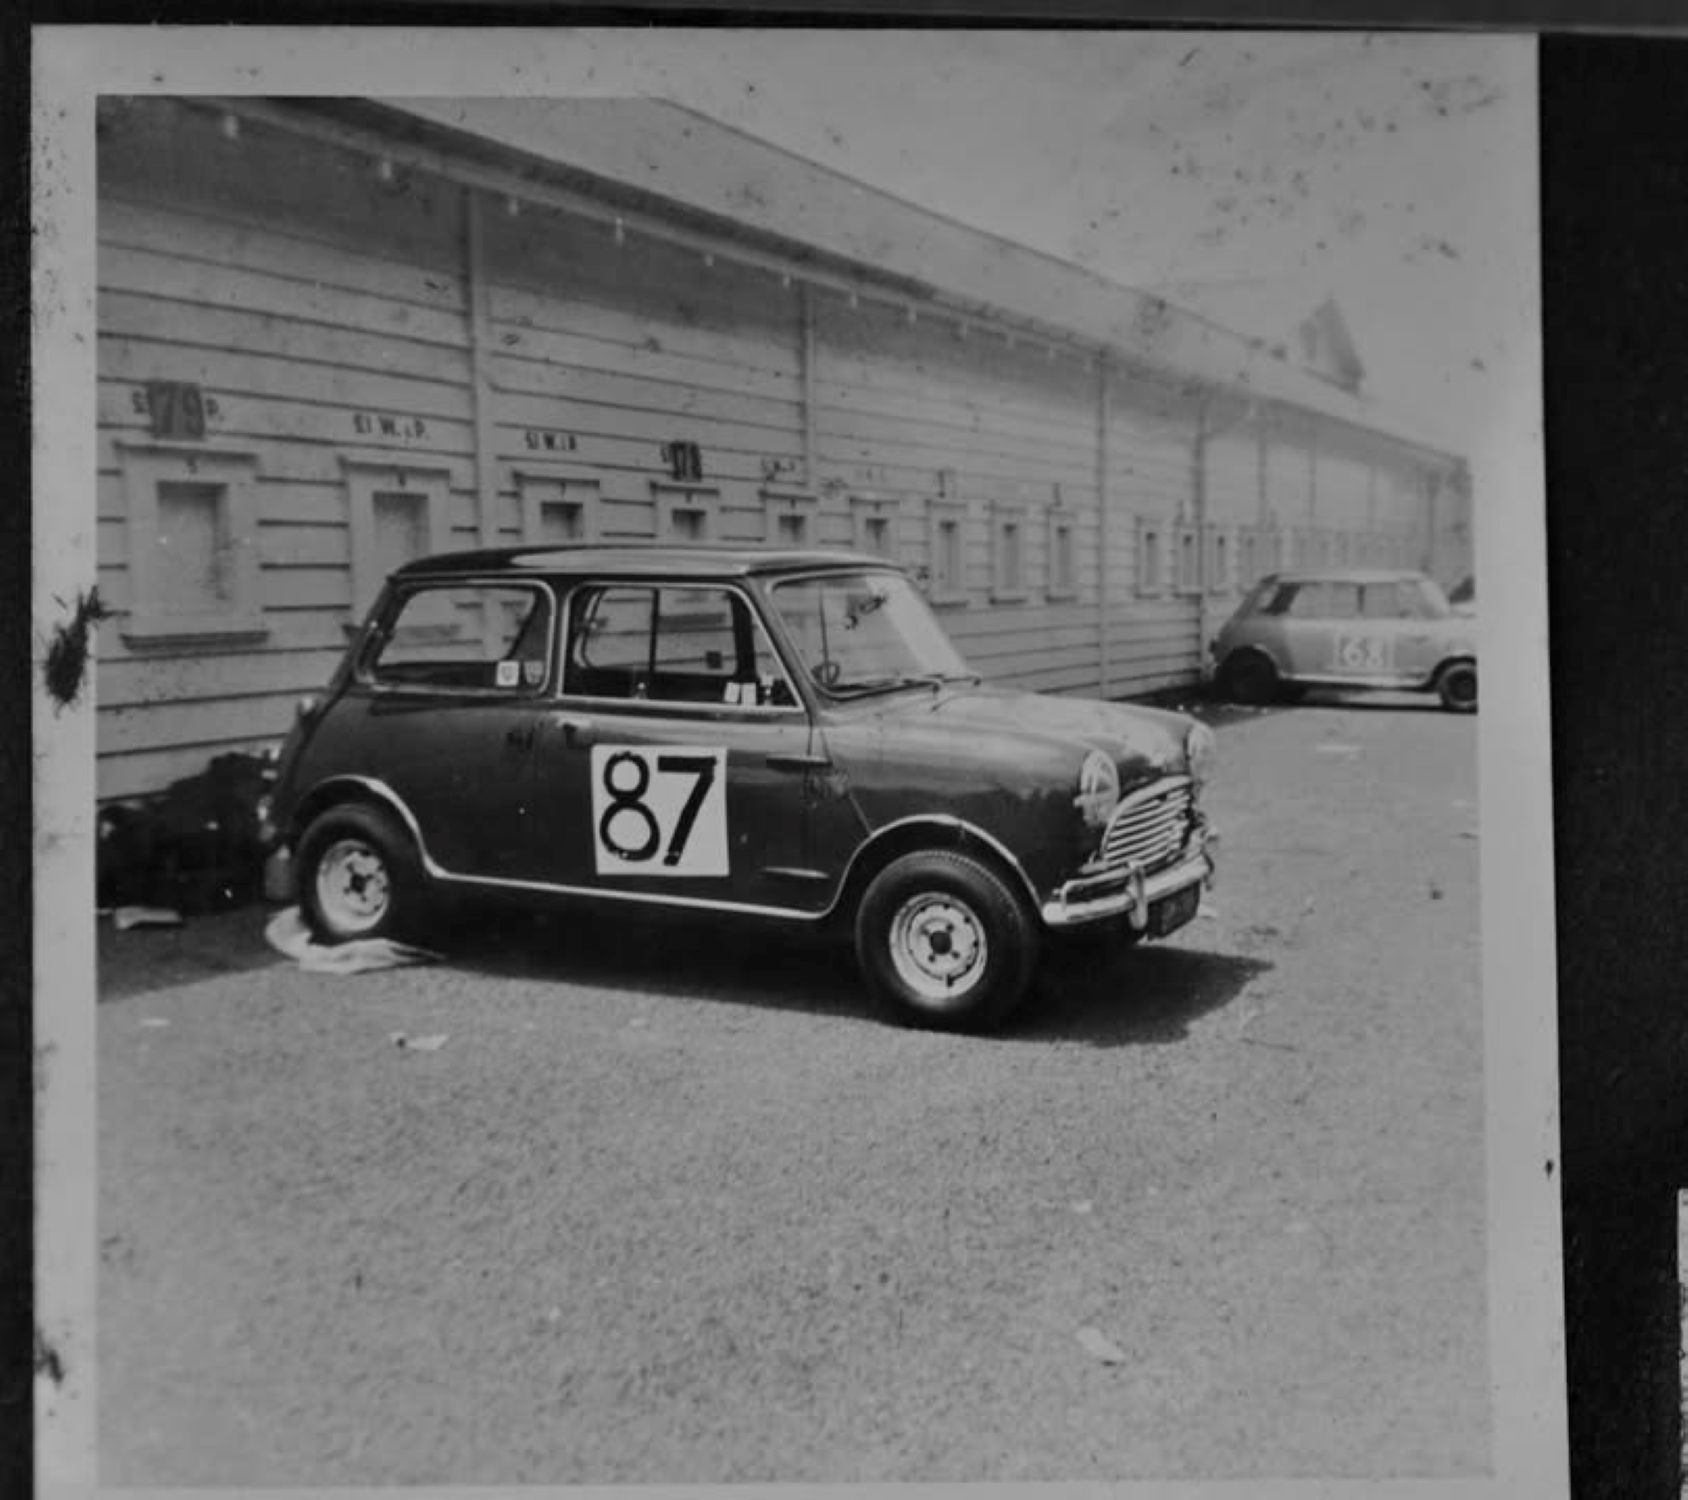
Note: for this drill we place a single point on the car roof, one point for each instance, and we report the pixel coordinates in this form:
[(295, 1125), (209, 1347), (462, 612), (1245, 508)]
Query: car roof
[(1342, 575), (635, 560)]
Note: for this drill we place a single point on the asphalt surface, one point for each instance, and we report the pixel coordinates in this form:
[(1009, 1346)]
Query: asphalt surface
[(670, 1205)]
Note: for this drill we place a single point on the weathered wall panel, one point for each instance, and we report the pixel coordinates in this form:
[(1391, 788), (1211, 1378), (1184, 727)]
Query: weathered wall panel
[(916, 411), (1153, 616), (327, 305), (320, 311)]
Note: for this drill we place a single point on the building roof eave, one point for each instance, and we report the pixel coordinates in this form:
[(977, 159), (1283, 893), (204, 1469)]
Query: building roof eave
[(984, 278)]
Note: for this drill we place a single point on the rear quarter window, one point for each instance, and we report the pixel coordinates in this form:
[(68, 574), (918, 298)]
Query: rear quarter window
[(480, 638)]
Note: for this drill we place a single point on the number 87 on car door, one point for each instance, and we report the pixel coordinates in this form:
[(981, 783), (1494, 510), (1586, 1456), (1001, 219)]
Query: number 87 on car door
[(659, 810)]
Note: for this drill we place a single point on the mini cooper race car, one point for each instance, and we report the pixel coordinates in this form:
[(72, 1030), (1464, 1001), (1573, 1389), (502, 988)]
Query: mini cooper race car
[(784, 736), (1347, 628)]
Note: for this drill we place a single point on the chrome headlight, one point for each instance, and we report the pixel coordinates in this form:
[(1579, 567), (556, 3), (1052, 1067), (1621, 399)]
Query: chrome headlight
[(1199, 749), (1098, 789)]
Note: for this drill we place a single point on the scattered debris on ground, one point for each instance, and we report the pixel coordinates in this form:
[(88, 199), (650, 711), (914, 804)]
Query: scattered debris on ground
[(1101, 1346), (125, 917)]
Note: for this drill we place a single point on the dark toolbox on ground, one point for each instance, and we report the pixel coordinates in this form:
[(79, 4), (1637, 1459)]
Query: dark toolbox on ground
[(196, 847)]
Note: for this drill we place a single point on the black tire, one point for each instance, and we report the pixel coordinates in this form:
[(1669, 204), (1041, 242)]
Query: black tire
[(1457, 687), (366, 855), (1249, 677), (944, 942)]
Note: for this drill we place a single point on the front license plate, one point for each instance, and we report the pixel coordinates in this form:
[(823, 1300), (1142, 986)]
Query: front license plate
[(1171, 913)]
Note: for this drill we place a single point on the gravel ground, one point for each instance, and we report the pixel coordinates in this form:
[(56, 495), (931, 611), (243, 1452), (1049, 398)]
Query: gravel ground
[(669, 1204)]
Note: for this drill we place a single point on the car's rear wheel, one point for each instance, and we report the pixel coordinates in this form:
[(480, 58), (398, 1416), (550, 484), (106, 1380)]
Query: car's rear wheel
[(359, 876), (1249, 677), (1457, 688), (944, 942)]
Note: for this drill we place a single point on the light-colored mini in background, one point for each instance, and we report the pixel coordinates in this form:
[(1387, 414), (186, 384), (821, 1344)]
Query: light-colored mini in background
[(1347, 628)]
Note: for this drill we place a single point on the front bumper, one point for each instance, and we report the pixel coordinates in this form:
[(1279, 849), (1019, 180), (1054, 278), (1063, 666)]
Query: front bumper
[(1130, 892)]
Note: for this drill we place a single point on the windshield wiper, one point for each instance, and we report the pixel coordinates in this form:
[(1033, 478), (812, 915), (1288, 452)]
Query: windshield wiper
[(933, 680)]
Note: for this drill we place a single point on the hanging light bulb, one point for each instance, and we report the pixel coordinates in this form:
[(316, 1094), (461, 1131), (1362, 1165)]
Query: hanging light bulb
[(231, 127), (620, 232), (384, 169), (512, 206)]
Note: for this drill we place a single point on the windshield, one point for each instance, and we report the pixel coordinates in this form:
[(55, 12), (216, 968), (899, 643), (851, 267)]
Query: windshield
[(1436, 605), (866, 632)]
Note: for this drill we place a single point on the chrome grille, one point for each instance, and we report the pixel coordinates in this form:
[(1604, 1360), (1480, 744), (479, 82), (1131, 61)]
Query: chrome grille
[(1149, 826)]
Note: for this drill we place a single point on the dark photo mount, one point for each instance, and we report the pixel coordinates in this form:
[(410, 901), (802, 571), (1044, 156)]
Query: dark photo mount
[(1615, 215)]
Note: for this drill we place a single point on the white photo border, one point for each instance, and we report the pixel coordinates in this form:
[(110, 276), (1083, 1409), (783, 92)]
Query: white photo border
[(73, 65)]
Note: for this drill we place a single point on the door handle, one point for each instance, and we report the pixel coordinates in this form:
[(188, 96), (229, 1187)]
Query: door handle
[(577, 728), (792, 761), (519, 737)]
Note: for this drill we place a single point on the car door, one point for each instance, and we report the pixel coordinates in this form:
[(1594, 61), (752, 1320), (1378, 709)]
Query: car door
[(450, 690), (1424, 630), (677, 764), (1307, 617), (1345, 630)]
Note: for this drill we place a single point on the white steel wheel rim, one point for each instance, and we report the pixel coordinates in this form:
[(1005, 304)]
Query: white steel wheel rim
[(353, 886), (938, 947)]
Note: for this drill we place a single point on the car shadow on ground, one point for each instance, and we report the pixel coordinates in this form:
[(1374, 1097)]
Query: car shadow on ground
[(144, 959), (1375, 703), (672, 955), (1144, 996)]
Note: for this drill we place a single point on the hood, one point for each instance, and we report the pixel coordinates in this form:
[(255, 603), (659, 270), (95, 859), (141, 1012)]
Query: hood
[(1143, 742)]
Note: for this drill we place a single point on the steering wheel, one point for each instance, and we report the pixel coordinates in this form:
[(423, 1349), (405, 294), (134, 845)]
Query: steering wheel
[(827, 672)]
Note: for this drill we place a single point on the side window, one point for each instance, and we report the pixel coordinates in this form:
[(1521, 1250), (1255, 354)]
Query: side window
[(1063, 565), (672, 645), (193, 542), (694, 638), (1344, 601), (1008, 552), (1303, 601), (612, 642), (789, 517), (1385, 601), (557, 509), (1186, 563), (1151, 558), (463, 638), (947, 552), (873, 524), (398, 512)]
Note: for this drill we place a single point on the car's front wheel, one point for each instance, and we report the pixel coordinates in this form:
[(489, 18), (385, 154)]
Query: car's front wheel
[(944, 942), (359, 876), (1250, 677)]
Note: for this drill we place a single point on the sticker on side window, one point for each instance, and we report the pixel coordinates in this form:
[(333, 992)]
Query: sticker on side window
[(1366, 654), (659, 810)]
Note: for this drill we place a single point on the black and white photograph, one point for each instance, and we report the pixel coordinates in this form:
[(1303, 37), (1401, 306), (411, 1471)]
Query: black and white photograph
[(767, 763)]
